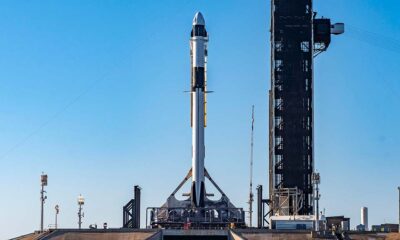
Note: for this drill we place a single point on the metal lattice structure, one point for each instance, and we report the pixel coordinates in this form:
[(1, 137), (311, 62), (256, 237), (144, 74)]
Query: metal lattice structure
[(176, 213), (262, 203), (291, 96), (296, 38), (131, 211)]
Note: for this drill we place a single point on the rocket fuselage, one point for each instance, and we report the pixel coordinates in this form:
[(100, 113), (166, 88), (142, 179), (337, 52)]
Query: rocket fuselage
[(198, 54)]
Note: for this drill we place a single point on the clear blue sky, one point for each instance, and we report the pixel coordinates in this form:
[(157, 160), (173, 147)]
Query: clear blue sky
[(91, 92)]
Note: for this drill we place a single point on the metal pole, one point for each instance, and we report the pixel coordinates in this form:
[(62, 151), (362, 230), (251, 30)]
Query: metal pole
[(136, 210), (316, 181), (57, 208), (399, 207), (317, 209), (80, 216), (41, 208), (251, 195), (260, 213), (43, 182), (81, 201)]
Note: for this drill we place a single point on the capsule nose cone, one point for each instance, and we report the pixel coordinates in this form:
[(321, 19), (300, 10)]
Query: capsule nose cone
[(198, 19)]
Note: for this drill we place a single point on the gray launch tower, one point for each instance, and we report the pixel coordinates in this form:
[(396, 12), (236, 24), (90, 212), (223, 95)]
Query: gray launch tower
[(296, 38)]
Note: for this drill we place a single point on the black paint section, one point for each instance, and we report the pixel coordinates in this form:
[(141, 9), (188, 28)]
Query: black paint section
[(198, 31), (291, 87), (198, 76), (202, 195)]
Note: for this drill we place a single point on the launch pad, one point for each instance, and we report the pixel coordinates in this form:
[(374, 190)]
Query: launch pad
[(181, 213), (214, 234)]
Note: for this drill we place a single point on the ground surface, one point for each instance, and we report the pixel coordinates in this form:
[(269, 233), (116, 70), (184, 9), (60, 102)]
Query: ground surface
[(253, 234)]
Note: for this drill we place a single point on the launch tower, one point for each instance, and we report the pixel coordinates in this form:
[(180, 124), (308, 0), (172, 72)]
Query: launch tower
[(297, 36)]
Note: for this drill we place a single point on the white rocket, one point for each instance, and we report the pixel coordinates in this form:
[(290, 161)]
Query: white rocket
[(198, 55)]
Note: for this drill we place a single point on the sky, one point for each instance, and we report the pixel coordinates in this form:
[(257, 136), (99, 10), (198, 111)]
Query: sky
[(92, 94)]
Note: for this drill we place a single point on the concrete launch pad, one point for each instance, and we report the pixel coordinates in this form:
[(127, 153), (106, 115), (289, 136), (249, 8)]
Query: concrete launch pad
[(197, 234)]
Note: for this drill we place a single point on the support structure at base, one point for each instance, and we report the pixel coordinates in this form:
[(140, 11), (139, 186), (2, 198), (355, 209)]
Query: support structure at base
[(262, 204), (182, 214), (131, 211)]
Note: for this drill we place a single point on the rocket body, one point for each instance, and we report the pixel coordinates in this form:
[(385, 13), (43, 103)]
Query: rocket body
[(198, 54)]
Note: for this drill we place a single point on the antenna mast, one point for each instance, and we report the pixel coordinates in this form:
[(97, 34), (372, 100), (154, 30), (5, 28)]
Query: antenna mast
[(251, 195)]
